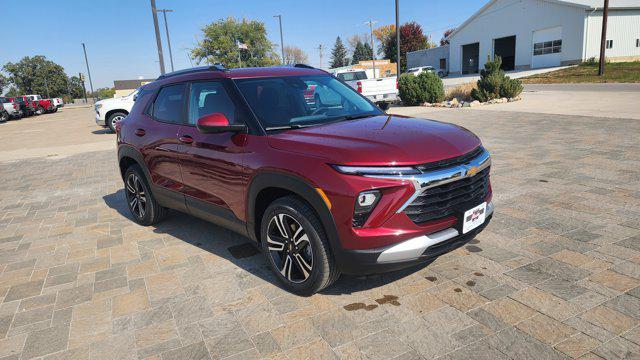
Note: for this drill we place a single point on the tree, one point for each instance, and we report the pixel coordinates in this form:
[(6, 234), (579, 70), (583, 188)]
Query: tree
[(367, 51), (358, 53), (339, 54), (444, 41), (383, 32), (37, 75), (295, 55), (103, 93), (411, 39), (75, 88), (3, 82), (235, 43)]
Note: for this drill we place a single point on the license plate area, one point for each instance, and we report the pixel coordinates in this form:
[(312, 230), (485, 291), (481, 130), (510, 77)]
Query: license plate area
[(474, 217)]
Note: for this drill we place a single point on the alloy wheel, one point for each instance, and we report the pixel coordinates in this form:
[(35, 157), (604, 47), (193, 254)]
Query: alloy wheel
[(136, 196), (115, 119), (290, 248)]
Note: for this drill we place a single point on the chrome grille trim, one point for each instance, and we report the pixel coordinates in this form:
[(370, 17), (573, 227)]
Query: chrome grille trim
[(427, 180)]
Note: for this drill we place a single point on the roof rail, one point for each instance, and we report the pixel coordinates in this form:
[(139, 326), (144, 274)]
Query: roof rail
[(214, 67), (304, 66)]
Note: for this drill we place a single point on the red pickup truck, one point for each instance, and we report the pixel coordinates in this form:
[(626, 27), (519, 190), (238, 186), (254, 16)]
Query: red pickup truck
[(41, 105)]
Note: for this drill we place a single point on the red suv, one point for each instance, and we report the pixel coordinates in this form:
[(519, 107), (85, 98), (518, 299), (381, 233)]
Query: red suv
[(325, 187)]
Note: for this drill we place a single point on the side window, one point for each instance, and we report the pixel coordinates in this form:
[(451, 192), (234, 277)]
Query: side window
[(208, 98), (168, 106)]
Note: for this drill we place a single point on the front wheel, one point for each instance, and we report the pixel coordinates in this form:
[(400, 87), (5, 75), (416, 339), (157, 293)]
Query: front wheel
[(39, 110), (113, 119), (296, 246)]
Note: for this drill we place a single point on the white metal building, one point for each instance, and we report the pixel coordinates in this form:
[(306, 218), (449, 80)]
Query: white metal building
[(544, 33)]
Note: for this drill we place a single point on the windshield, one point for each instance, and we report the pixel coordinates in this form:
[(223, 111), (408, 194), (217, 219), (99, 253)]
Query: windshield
[(351, 76), (283, 102)]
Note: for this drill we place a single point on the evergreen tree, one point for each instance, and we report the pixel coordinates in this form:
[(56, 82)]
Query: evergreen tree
[(338, 54), (367, 51), (358, 53)]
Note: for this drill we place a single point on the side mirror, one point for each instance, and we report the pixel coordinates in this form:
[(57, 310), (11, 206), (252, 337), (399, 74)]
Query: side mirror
[(217, 123)]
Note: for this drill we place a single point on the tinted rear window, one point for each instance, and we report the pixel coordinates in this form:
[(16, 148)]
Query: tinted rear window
[(169, 104), (351, 76)]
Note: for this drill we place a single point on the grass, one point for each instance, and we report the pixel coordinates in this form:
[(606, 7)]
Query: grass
[(461, 92), (622, 72)]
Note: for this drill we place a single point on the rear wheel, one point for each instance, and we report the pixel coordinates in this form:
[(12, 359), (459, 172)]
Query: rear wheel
[(4, 116), (39, 110), (296, 246), (143, 206), (113, 119), (383, 105)]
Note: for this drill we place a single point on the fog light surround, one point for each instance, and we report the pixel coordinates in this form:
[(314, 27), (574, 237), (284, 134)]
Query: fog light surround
[(364, 205)]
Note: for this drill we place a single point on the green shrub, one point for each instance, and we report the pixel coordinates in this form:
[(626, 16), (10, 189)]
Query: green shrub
[(416, 90), (409, 90), (510, 88), (494, 83)]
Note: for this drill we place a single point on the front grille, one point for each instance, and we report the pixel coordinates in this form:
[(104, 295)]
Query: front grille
[(451, 162), (444, 200)]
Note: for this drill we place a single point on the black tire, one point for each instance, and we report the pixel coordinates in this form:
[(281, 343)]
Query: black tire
[(39, 110), (324, 270), (111, 120), (148, 212), (383, 105), (4, 116)]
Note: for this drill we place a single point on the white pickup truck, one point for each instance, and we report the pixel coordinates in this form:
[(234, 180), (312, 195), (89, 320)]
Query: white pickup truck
[(382, 90), (110, 111)]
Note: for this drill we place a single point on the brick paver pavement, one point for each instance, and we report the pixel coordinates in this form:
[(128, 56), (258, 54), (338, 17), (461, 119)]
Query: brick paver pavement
[(556, 274)]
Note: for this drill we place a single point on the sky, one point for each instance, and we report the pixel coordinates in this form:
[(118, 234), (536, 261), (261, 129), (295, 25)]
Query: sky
[(120, 40)]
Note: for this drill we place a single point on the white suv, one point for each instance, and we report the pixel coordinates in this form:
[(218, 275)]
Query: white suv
[(110, 111)]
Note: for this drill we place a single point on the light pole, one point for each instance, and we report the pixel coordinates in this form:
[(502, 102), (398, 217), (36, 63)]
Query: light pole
[(281, 38), (603, 37), (398, 38), (93, 95), (320, 47), (166, 27), (373, 49), (158, 40)]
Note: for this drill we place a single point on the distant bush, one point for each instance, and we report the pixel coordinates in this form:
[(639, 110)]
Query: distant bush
[(416, 90), (494, 83)]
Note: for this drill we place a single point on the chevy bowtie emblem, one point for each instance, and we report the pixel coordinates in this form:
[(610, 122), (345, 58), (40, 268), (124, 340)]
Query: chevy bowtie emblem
[(472, 170)]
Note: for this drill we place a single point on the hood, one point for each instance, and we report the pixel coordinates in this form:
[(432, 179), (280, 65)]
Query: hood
[(379, 140)]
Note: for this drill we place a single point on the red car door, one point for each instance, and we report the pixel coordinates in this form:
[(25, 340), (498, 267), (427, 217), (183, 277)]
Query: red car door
[(211, 164)]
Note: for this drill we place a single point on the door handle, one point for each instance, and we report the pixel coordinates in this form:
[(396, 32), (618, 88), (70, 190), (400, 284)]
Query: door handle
[(139, 132), (186, 139)]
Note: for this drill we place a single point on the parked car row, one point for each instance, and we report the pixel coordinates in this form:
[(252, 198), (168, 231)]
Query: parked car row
[(28, 105)]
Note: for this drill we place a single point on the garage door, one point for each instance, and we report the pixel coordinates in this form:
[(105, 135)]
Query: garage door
[(547, 47)]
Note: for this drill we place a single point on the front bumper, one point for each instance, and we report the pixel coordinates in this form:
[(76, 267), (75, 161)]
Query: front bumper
[(100, 120), (410, 252)]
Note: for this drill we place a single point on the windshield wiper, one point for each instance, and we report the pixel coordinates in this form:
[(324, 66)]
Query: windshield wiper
[(287, 127), (359, 116)]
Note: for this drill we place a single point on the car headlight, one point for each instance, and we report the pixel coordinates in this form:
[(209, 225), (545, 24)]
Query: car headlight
[(377, 170), (98, 106)]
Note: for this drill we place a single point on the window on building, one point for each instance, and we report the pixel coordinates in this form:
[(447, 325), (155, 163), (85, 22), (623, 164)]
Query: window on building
[(609, 44), (547, 47)]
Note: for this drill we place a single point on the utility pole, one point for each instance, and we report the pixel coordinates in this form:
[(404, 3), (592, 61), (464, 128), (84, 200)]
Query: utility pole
[(603, 37), (320, 47), (46, 86), (84, 88), (398, 38), (281, 38), (373, 49), (166, 27), (88, 72), (158, 40)]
